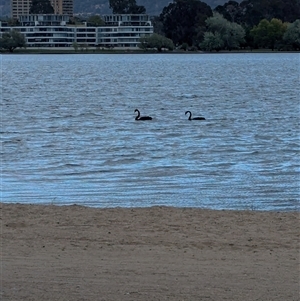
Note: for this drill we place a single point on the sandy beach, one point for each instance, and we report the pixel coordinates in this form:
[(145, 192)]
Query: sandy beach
[(159, 253)]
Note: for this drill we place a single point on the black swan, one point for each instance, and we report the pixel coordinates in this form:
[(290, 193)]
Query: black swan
[(138, 117), (195, 118)]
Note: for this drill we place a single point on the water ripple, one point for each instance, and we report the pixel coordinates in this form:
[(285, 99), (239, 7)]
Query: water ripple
[(68, 133)]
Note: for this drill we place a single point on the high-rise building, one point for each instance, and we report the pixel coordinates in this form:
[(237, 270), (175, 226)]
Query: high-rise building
[(62, 7), (19, 7), (22, 7)]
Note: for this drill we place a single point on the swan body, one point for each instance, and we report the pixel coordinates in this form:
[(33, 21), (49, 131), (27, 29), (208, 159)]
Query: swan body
[(195, 118), (139, 117)]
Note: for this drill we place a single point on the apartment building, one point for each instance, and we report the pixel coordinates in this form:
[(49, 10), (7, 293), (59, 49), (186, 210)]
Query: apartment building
[(22, 7), (62, 7), (19, 8), (124, 30), (119, 31)]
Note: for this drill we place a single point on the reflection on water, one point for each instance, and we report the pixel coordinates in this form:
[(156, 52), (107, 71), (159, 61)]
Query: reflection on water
[(69, 136)]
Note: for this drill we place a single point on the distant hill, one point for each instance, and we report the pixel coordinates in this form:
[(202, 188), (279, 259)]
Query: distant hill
[(153, 7)]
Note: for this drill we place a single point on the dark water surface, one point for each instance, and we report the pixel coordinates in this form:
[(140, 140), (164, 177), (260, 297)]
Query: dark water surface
[(68, 133)]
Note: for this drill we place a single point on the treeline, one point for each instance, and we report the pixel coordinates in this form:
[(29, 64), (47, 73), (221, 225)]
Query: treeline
[(193, 25), (269, 24)]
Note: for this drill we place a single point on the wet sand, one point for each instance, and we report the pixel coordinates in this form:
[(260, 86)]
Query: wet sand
[(158, 253)]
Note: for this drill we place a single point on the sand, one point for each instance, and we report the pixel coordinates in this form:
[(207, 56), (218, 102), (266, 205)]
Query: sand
[(158, 253)]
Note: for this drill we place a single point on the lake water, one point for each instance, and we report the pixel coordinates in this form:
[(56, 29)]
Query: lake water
[(68, 133)]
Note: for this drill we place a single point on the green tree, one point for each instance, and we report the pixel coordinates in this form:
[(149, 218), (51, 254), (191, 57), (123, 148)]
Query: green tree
[(231, 34), (156, 41), (126, 7), (291, 37), (268, 34), (235, 36), (184, 21), (276, 32), (12, 40), (75, 46), (184, 47), (212, 41), (95, 21), (260, 34), (41, 7)]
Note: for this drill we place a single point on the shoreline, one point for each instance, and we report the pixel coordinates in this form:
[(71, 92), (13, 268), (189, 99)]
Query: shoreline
[(73, 252), (249, 209), (133, 51)]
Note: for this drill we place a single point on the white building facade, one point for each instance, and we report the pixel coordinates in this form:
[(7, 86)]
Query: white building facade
[(124, 31), (119, 31)]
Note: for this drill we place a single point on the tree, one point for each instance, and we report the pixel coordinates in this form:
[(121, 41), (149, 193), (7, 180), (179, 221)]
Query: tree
[(95, 21), (231, 34), (156, 41), (137, 9), (268, 34), (212, 41), (276, 31), (260, 34), (231, 11), (291, 37), (126, 7), (157, 25), (13, 22), (184, 21), (250, 12), (75, 46), (11, 40), (290, 11), (235, 36), (75, 20), (256, 10), (41, 7)]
